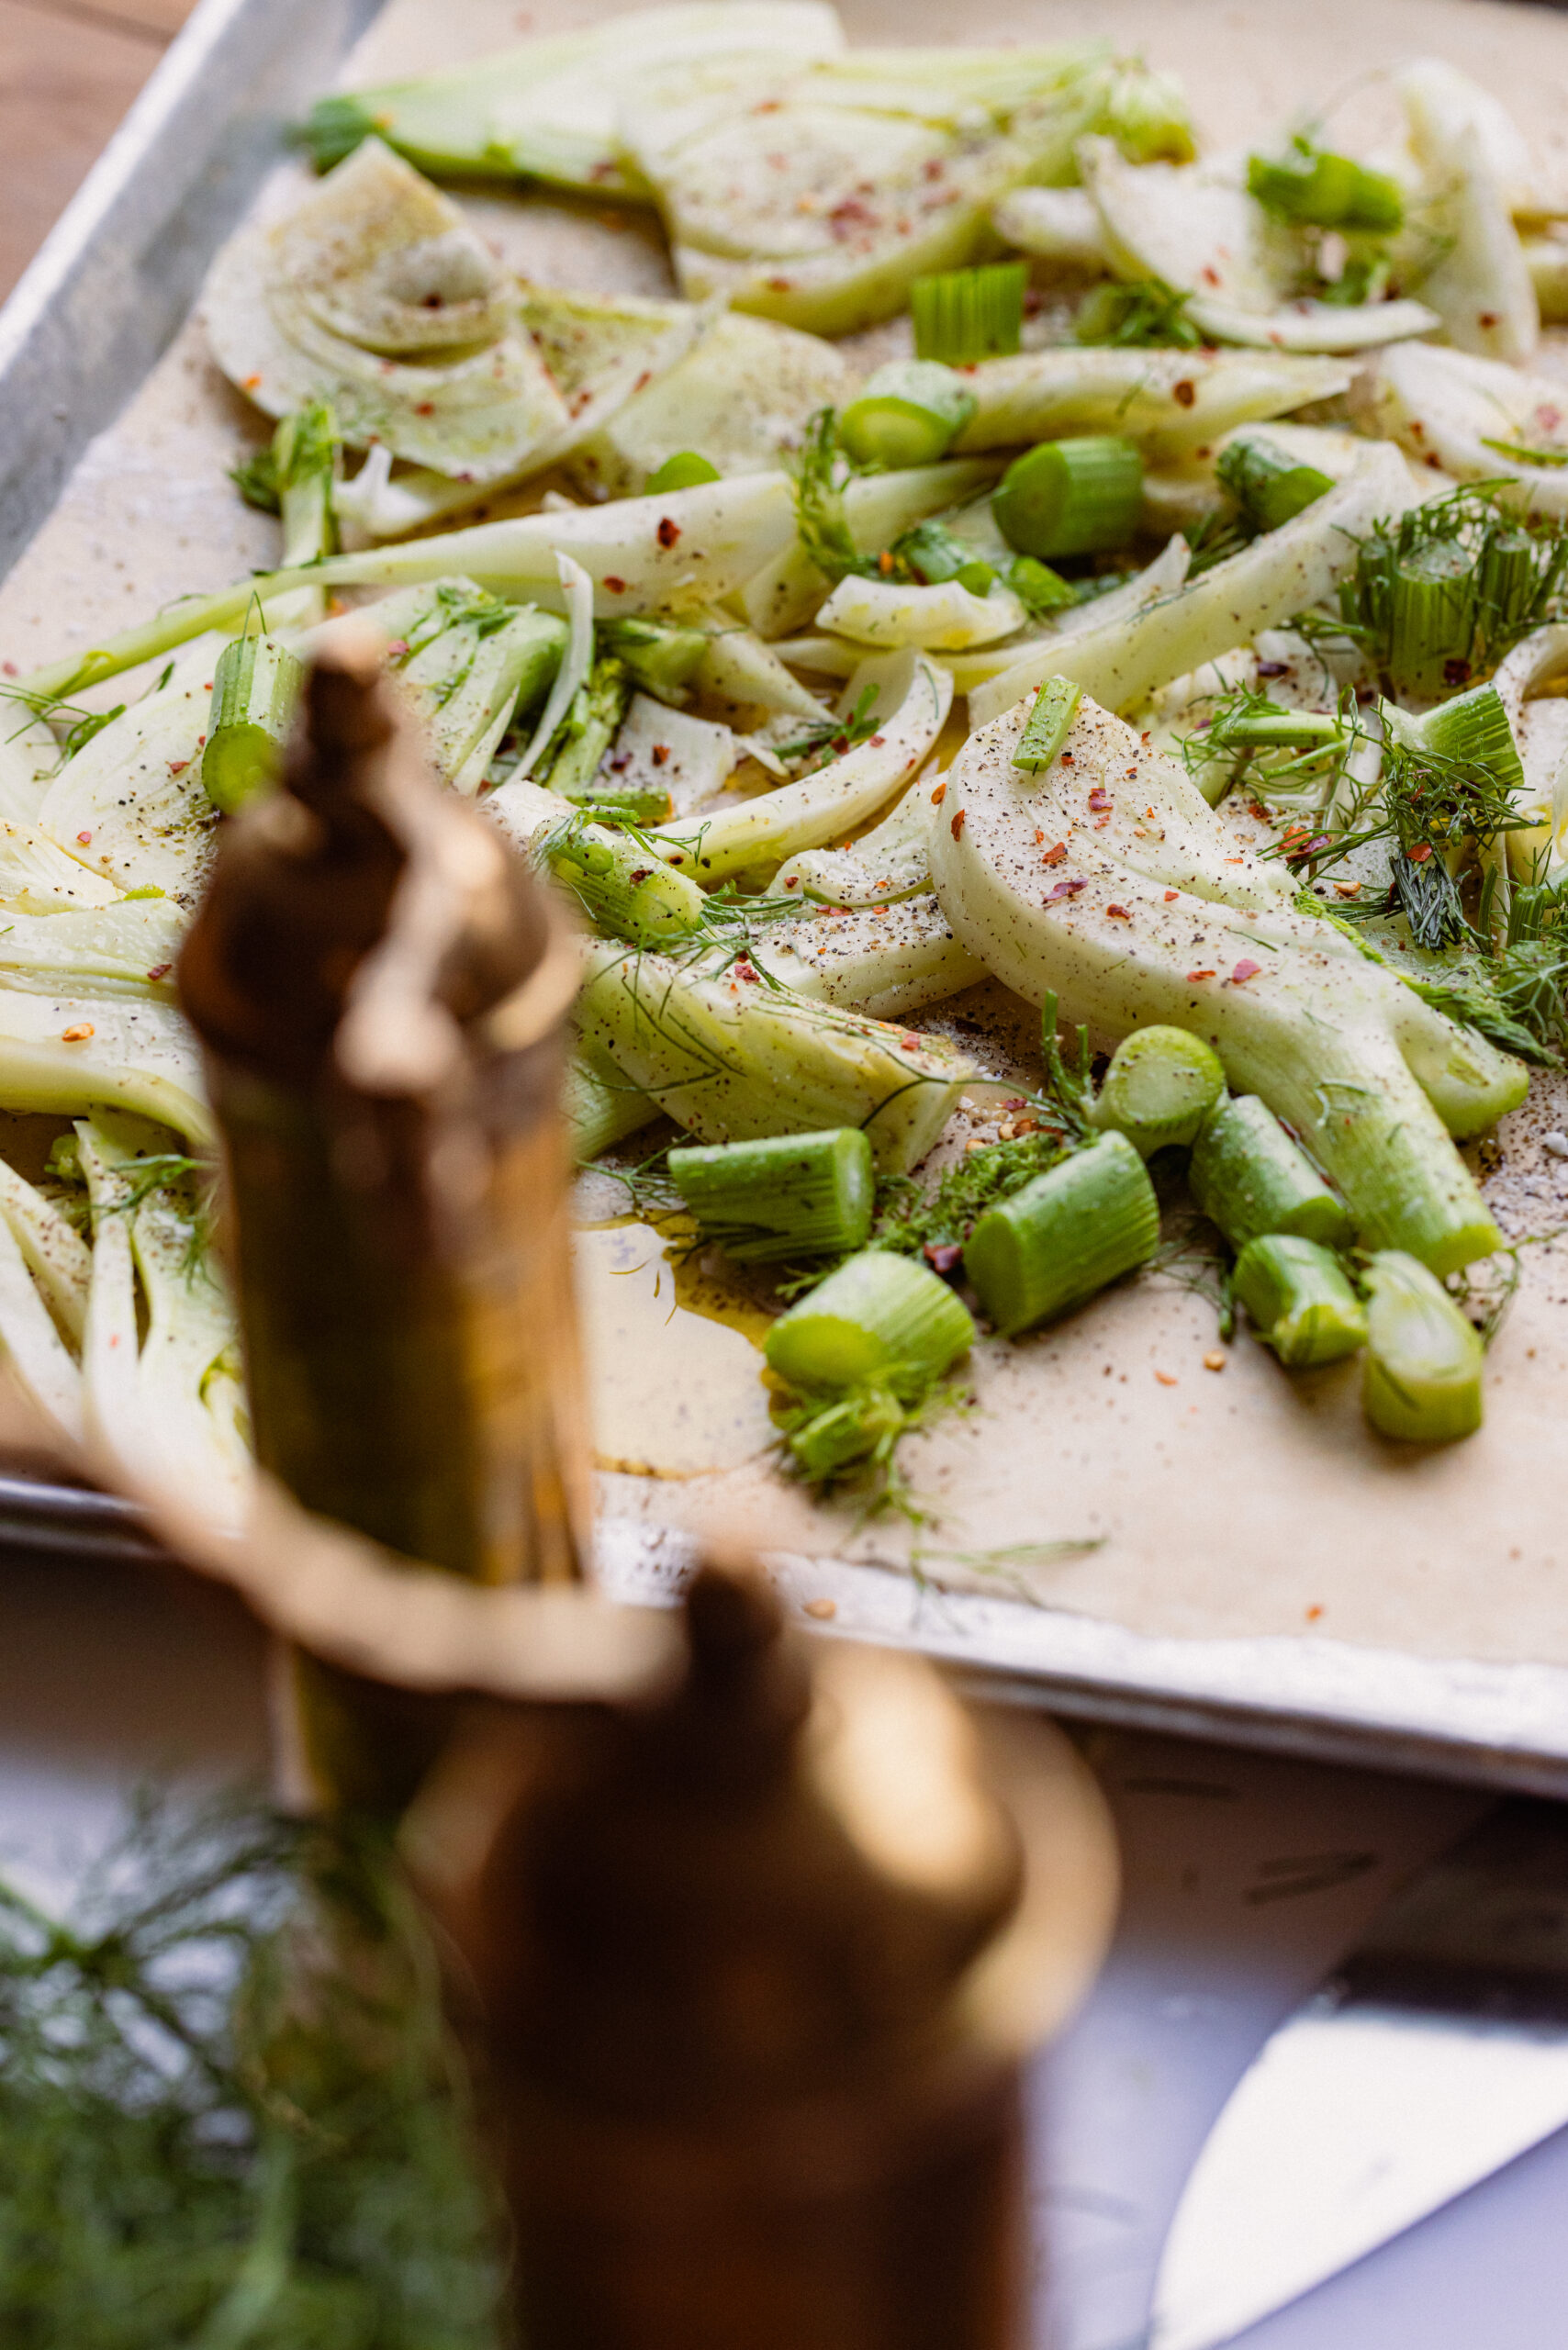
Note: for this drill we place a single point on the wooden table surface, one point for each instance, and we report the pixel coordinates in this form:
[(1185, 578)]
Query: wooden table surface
[(68, 70)]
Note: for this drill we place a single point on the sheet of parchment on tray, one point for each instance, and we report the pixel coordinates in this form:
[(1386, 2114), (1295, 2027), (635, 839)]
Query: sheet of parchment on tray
[(1103, 1469)]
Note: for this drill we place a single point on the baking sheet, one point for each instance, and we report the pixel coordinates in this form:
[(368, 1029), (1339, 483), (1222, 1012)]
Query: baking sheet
[(1221, 1548)]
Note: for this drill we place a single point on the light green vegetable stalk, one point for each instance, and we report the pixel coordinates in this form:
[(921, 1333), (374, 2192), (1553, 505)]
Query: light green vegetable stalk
[(294, 476), (624, 889), (824, 807), (781, 1198), (1249, 1177), (643, 554), (732, 1057), (569, 763), (1424, 1362), (1299, 1301), (603, 1107), (1169, 402), (1284, 572), (1065, 1237), (1160, 1086), (169, 1404), (547, 109), (877, 1316), (471, 665), (906, 414), (255, 688), (1069, 883)]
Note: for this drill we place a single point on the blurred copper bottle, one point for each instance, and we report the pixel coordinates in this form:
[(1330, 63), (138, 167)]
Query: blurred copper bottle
[(381, 988), (759, 1962)]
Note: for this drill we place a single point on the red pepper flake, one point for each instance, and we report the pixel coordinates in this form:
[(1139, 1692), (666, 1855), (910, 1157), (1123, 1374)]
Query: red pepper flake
[(1244, 972), (1118, 913), (10, 669), (1069, 888), (1167, 1377), (791, 881), (84, 840), (250, 382), (1488, 318), (744, 970), (614, 587), (1098, 799), (160, 970), (1420, 853), (909, 1043), (425, 407), (779, 285), (1066, 758), (1313, 1613), (178, 766), (943, 1255), (875, 741), (1200, 975), (940, 794), (1057, 855), (1184, 393), (669, 531), (77, 1036), (1172, 896), (885, 563), (661, 752), (956, 826), (641, 872)]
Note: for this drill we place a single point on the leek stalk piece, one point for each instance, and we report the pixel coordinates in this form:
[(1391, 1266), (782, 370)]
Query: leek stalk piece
[(782, 1196), (879, 1316), (1249, 1177), (906, 414), (1063, 1238), (732, 1057), (255, 688), (1298, 1301), (1424, 1362), (1080, 496), (1160, 1086), (962, 315), (1264, 483)]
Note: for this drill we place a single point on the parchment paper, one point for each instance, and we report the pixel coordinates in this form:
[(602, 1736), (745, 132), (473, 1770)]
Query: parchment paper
[(1223, 1503)]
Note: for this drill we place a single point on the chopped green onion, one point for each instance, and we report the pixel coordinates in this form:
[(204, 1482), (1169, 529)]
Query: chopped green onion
[(934, 554), (1272, 729), (842, 1432), (1049, 725), (1075, 496), (1160, 1086), (1037, 587), (1322, 190), (1249, 1177), (1064, 1236), (907, 413), (685, 470), (1422, 1379), (1431, 615), (571, 761), (1267, 486), (969, 314), (879, 1317), (1298, 1299), (255, 690), (1473, 731), (787, 1195), (661, 656), (624, 889), (1507, 577)]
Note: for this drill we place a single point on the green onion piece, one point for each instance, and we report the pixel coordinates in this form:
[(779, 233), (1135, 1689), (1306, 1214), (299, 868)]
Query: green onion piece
[(1474, 729), (844, 1432), (934, 554), (1049, 725), (1064, 1236), (1326, 191), (1249, 1177), (1431, 617), (685, 470), (571, 761), (255, 690), (1267, 486), (879, 1317), (1298, 1299), (661, 656), (908, 414), (1037, 587), (1508, 580), (969, 314), (1422, 1378), (1274, 730), (1160, 1088), (1074, 497), (625, 890), (627, 803), (787, 1195)]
